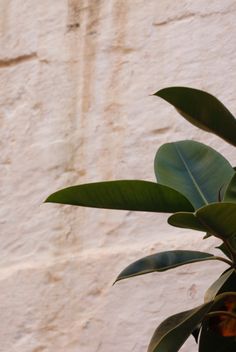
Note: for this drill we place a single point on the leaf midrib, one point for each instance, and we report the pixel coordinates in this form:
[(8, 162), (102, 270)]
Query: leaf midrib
[(191, 175)]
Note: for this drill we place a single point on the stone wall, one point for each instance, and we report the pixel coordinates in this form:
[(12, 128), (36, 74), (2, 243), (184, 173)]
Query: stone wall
[(76, 106)]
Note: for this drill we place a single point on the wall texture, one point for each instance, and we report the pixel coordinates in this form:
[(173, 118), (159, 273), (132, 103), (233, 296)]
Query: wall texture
[(76, 106)]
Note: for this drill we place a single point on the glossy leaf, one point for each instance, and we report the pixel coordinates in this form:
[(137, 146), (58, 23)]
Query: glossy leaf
[(216, 219), (196, 332), (202, 110), (219, 219), (230, 194), (163, 261), (188, 167), (225, 250), (124, 195), (224, 283), (174, 331), (187, 221)]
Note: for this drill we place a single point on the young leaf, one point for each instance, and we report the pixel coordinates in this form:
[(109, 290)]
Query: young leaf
[(219, 219), (174, 331), (163, 261), (223, 248), (124, 195), (202, 110), (226, 282), (187, 221), (188, 167)]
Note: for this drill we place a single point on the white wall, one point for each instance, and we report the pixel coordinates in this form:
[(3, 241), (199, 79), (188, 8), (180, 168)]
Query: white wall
[(75, 105)]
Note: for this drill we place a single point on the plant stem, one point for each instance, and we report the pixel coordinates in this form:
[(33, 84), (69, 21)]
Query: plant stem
[(231, 264), (232, 251)]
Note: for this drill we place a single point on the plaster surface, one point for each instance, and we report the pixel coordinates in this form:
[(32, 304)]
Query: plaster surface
[(76, 79)]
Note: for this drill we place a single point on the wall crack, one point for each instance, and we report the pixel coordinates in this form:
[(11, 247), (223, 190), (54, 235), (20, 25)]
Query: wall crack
[(8, 62), (190, 15)]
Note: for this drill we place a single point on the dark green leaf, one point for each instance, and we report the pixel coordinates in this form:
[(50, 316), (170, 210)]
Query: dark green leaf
[(226, 282), (163, 261), (230, 194), (186, 221), (194, 169), (202, 110), (125, 195), (196, 332), (219, 219), (174, 331), (225, 250), (232, 243)]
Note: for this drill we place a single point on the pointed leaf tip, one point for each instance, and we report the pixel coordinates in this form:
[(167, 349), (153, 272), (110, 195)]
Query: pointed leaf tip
[(163, 261), (203, 110), (134, 195)]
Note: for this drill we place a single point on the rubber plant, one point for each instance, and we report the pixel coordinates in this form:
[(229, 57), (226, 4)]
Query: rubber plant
[(197, 185)]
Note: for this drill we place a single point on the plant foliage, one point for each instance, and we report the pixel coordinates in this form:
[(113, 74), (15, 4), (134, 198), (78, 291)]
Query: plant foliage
[(197, 185)]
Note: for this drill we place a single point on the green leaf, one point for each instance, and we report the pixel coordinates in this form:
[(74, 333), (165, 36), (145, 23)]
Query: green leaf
[(187, 221), (193, 169), (174, 331), (163, 261), (202, 110), (219, 219), (125, 195), (196, 332), (226, 282), (223, 248), (232, 243), (230, 193)]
